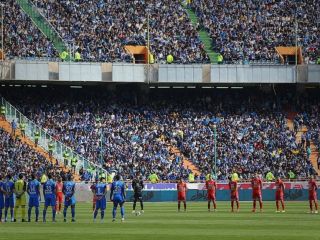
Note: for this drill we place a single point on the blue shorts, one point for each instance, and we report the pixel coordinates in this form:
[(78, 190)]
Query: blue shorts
[(69, 201), (117, 200), (1, 202), (50, 200), (101, 204), (33, 201), (9, 202)]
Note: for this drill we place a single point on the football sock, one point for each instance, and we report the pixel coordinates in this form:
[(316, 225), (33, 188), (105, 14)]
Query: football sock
[(15, 211), (114, 212), (37, 213), (64, 212), (95, 214), (122, 211), (44, 214), (23, 212), (73, 212), (29, 213)]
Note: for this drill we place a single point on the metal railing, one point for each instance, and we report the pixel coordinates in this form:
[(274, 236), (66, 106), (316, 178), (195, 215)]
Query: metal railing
[(59, 148), (43, 24)]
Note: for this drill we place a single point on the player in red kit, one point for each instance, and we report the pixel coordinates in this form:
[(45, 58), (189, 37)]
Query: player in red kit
[(313, 195), (94, 198), (182, 192), (211, 187), (59, 195), (256, 185), (234, 195), (279, 194)]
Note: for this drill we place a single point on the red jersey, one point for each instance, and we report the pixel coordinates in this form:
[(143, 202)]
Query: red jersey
[(93, 188), (211, 187), (182, 188), (279, 187), (233, 185), (59, 187), (256, 185), (312, 187)]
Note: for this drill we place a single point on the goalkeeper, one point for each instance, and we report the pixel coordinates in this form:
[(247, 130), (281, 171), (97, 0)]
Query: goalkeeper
[(137, 186), (20, 192)]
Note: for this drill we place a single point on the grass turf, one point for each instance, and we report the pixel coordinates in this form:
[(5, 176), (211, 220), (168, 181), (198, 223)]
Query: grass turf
[(162, 221)]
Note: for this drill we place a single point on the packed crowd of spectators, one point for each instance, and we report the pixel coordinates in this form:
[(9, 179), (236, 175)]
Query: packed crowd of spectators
[(252, 135), (21, 37), (310, 117), (17, 157), (242, 31), (249, 30), (101, 28)]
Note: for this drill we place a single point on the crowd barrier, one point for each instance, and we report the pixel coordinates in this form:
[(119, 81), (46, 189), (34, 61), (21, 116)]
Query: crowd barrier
[(166, 192)]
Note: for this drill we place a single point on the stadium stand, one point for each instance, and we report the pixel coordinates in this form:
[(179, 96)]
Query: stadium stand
[(21, 37), (249, 31), (253, 135), (17, 157), (242, 31), (101, 29)]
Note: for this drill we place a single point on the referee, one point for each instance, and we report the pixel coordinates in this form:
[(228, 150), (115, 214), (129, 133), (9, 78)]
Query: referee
[(137, 186)]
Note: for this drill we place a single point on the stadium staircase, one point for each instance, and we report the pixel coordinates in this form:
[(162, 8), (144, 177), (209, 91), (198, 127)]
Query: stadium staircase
[(6, 126), (314, 152), (186, 162), (204, 36), (43, 24)]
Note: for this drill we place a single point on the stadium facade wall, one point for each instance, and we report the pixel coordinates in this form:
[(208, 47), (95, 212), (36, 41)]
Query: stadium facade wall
[(253, 74), (129, 73), (162, 74), (180, 73), (32, 71), (80, 72)]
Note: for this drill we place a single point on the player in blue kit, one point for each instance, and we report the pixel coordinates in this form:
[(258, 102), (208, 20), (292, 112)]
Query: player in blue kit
[(49, 193), (33, 191), (8, 190), (68, 190), (118, 197), (101, 202), (1, 198)]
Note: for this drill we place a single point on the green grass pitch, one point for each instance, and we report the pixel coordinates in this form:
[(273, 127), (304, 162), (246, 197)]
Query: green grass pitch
[(162, 221)]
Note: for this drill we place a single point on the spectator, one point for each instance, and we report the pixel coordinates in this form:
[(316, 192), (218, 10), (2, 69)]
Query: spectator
[(130, 137), (249, 30), (17, 157), (22, 38), (101, 29)]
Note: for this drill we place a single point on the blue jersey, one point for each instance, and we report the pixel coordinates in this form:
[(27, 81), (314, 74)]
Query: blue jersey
[(68, 189), (100, 189), (118, 189), (49, 188), (1, 196), (8, 188), (1, 189), (33, 188)]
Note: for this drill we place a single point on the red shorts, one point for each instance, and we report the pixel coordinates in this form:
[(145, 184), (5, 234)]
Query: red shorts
[(313, 197), (256, 195), (279, 196), (59, 198), (181, 197), (211, 197), (234, 197), (94, 200)]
